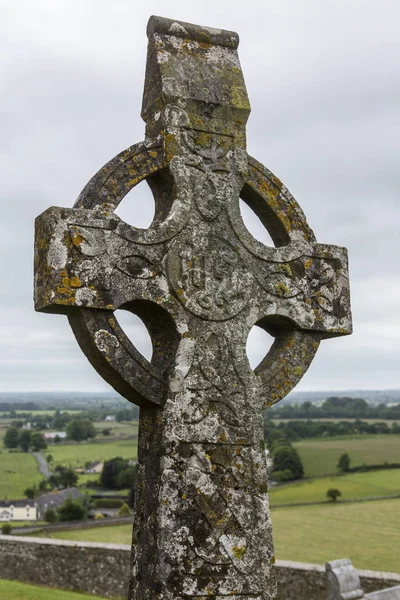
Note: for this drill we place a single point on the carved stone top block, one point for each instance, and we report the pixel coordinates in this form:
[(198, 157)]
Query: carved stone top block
[(199, 281)]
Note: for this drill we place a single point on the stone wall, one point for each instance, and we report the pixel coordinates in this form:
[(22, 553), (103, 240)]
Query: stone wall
[(103, 569)]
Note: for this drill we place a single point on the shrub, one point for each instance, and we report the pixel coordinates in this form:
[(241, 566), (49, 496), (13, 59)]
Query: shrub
[(124, 511), (50, 516), (71, 510), (285, 475), (6, 528)]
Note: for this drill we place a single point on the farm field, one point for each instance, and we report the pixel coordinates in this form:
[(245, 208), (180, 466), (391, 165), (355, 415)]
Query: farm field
[(18, 470), (114, 534), (368, 533), (353, 485), (124, 429), (320, 455), (75, 455), (14, 590)]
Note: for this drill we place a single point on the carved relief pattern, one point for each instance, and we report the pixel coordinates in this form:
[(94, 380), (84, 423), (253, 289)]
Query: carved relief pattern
[(221, 479)]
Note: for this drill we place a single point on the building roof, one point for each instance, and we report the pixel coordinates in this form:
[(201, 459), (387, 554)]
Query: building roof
[(22, 503), (54, 499)]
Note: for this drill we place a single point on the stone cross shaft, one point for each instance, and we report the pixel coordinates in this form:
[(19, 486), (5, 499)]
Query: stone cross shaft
[(200, 282)]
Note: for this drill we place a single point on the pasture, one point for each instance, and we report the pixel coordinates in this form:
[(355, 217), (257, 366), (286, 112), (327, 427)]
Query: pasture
[(366, 532), (14, 590), (75, 455), (124, 430), (18, 470), (320, 455), (352, 486)]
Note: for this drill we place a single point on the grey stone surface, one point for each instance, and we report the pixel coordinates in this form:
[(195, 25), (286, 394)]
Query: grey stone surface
[(343, 581), (386, 594), (200, 282)]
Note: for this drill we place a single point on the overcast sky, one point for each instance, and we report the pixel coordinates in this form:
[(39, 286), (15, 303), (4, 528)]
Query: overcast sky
[(324, 84)]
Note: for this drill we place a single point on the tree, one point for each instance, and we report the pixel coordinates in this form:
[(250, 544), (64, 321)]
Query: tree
[(49, 459), (71, 510), (344, 463), (6, 529), (106, 431), (38, 442), (57, 439), (43, 485), (11, 437), (64, 477), (50, 515), (30, 493), (110, 472), (333, 494), (80, 429), (124, 511), (286, 458), (24, 439), (126, 478)]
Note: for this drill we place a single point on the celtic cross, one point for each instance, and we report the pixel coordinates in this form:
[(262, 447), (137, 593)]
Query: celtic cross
[(199, 281)]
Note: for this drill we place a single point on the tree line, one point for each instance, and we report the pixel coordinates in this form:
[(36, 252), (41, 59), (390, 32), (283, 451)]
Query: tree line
[(337, 408), (300, 430)]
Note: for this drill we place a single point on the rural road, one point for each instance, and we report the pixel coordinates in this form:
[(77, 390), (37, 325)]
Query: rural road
[(42, 464)]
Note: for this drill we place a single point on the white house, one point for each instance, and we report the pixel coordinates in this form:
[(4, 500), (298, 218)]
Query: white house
[(18, 510), (110, 418), (94, 468)]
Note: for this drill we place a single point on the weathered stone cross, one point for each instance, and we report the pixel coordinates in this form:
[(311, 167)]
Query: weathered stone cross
[(199, 281)]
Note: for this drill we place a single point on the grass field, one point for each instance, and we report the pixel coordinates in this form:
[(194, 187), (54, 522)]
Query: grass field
[(320, 455), (114, 534), (13, 590), (18, 470), (124, 429), (368, 533), (75, 455), (354, 485)]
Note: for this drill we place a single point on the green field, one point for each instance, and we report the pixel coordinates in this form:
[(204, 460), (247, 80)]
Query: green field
[(13, 590), (367, 532), (353, 485), (113, 534), (123, 429), (18, 470), (75, 455), (320, 455)]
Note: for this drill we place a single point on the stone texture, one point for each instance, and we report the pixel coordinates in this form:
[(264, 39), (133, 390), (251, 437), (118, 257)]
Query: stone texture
[(343, 583), (200, 282), (343, 580)]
